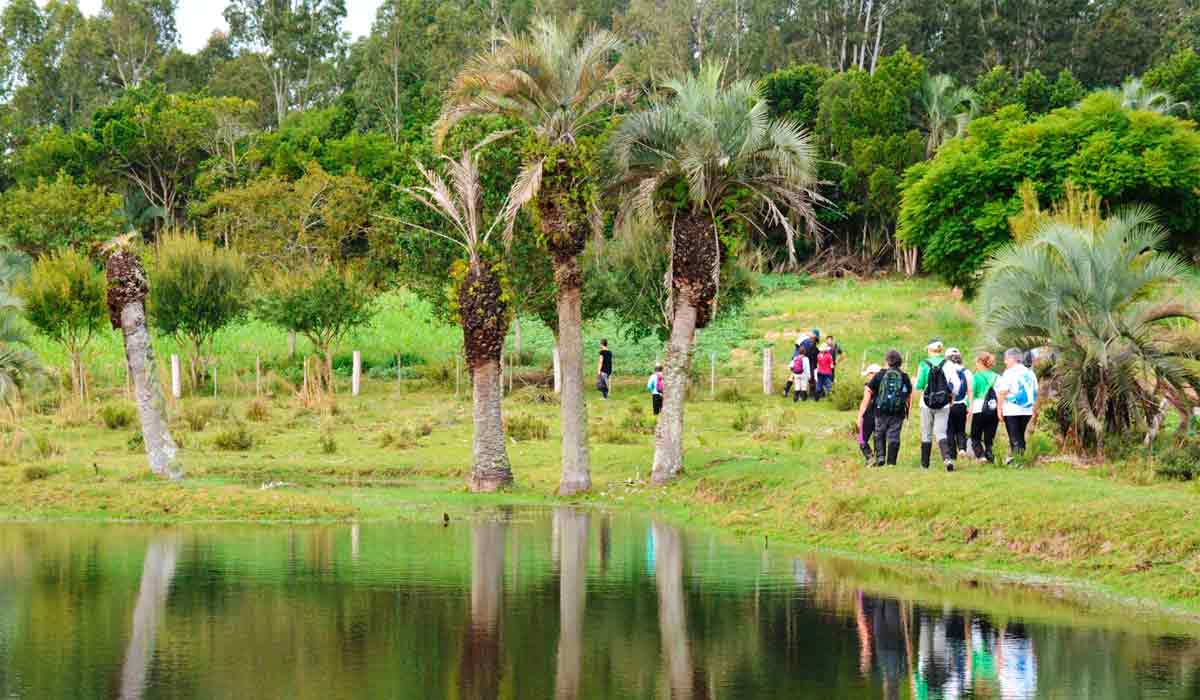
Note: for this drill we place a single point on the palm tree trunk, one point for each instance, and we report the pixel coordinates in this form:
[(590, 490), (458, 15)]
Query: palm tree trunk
[(127, 289), (668, 436), (576, 473), (490, 470)]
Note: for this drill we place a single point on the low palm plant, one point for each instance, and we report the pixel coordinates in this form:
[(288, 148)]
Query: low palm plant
[(707, 160), (945, 110), (482, 308), (1136, 95), (1101, 298)]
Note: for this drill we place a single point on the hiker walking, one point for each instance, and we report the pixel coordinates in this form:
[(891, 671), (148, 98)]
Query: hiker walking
[(824, 372), (654, 385), (956, 429), (604, 369), (801, 376), (1016, 393), (803, 342), (837, 354), (889, 394), (985, 417), (812, 350), (866, 415), (937, 383)]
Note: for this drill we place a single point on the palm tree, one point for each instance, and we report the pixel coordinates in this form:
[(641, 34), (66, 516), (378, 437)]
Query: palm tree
[(1138, 96), (945, 110), (703, 158), (1094, 295), (560, 86), (18, 365), (482, 309)]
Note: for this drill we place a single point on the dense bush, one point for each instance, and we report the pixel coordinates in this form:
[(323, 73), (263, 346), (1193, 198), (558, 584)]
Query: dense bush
[(956, 207), (235, 438), (523, 427), (847, 393), (117, 415), (58, 213)]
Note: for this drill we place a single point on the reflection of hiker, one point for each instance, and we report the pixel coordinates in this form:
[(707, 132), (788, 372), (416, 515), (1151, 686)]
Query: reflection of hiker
[(937, 383), (882, 647), (891, 393), (824, 372), (655, 386), (956, 428), (984, 416), (801, 376), (866, 416), (604, 369)]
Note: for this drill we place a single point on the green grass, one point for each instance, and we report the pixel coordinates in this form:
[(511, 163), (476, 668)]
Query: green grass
[(756, 465)]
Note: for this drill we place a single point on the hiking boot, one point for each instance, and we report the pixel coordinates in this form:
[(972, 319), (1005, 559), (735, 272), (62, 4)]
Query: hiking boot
[(988, 456), (866, 452), (893, 453), (947, 450), (926, 453)]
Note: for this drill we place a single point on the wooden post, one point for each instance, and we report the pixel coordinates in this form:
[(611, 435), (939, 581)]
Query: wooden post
[(768, 371), (457, 375), (257, 376), (291, 343), (557, 372), (176, 380), (356, 374), (214, 381), (712, 375), (399, 372)]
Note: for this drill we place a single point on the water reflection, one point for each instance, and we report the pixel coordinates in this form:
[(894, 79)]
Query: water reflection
[(571, 603)]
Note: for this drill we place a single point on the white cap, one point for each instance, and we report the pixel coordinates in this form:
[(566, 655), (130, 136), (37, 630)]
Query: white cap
[(952, 352), (934, 346), (871, 370)]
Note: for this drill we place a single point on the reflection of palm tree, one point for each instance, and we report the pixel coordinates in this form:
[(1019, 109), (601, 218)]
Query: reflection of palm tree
[(572, 599), (161, 556), (479, 675), (672, 613)]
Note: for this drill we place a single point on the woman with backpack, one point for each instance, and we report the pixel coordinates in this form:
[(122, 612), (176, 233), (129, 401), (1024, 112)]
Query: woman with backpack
[(866, 416), (956, 428), (889, 393), (654, 385), (801, 376), (984, 403)]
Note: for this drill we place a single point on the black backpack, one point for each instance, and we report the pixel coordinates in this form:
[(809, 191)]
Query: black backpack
[(937, 387), (891, 400), (990, 403)]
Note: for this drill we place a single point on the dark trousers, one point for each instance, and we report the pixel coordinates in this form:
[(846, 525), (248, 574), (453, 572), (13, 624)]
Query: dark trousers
[(656, 403), (887, 437), (824, 385), (868, 431), (956, 428), (1016, 426), (983, 434)]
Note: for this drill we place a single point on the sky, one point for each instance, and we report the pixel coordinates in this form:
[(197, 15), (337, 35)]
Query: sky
[(197, 19)]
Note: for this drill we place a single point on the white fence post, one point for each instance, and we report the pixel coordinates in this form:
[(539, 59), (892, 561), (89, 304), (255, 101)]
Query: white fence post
[(768, 370), (257, 376), (712, 375), (557, 372), (356, 376), (176, 381)]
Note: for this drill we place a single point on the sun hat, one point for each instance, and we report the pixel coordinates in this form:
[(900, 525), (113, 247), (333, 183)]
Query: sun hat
[(953, 352), (871, 370), (935, 345)]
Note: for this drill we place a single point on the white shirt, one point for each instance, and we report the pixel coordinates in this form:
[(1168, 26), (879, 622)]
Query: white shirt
[(1020, 386), (956, 385)]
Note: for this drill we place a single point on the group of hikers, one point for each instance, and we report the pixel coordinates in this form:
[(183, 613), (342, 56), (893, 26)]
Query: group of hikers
[(604, 370), (813, 367), (950, 394)]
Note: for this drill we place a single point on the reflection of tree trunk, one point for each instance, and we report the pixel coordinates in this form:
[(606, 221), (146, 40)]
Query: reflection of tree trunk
[(479, 675), (572, 598), (672, 614), (159, 567)]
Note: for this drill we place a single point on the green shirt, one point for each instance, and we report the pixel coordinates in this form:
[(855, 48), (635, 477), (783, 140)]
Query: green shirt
[(923, 370), (984, 380)]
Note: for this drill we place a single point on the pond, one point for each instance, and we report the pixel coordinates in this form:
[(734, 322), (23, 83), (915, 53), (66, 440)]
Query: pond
[(530, 604)]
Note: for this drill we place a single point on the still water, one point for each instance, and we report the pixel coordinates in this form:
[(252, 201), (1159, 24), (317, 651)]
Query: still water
[(530, 604)]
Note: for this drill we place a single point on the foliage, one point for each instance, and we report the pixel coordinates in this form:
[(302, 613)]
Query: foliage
[(955, 208), (523, 428), (322, 305), (197, 414), (35, 472), (236, 438), (196, 289), (65, 299), (945, 110), (794, 92), (117, 415), (1178, 76), (847, 393), (1094, 296), (258, 411), (58, 213)]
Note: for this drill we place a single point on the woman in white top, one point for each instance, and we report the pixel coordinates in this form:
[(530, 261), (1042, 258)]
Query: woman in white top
[(1016, 394), (956, 428)]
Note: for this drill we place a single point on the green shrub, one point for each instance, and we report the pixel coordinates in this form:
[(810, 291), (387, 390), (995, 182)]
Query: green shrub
[(796, 442), (1181, 463), (35, 473), (731, 394), (524, 427), (45, 447), (847, 394), (258, 411), (609, 435), (328, 443), (747, 421), (1039, 445), (117, 415), (236, 438), (136, 442), (197, 414), (636, 421)]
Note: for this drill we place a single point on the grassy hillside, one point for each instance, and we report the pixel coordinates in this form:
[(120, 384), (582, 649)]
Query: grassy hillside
[(756, 465)]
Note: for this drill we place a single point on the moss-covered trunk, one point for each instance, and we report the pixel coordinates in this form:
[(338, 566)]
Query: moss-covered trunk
[(694, 268), (127, 289), (483, 314)]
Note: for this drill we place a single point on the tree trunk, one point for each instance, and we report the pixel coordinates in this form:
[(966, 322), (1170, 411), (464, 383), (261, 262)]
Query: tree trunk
[(479, 673), (491, 469), (572, 597), (576, 473), (127, 289), (157, 571), (668, 436)]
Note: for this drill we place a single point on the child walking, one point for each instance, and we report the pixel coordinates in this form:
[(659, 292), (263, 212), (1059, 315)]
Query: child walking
[(655, 386), (825, 362), (801, 376)]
